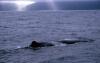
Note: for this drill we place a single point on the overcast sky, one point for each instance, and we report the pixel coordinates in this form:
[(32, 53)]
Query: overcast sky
[(68, 0), (54, 0)]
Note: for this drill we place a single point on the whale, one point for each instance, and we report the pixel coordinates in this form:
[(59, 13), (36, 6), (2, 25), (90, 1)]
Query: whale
[(36, 44), (63, 42), (75, 40)]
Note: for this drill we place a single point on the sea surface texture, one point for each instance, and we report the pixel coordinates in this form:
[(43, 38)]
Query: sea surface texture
[(19, 29)]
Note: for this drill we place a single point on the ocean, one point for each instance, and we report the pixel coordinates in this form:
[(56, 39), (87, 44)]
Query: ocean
[(19, 29)]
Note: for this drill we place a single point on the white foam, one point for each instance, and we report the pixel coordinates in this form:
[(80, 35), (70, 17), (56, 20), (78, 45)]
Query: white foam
[(18, 46)]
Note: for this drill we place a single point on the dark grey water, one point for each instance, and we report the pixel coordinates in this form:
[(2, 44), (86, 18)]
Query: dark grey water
[(57, 5), (18, 29)]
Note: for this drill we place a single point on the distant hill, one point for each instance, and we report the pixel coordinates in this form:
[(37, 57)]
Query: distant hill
[(7, 7)]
